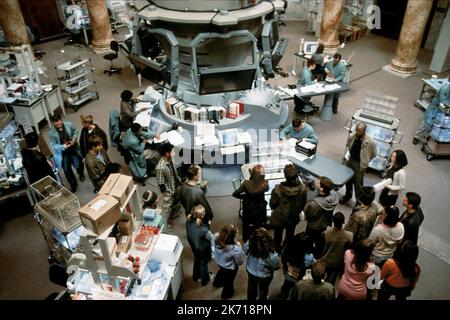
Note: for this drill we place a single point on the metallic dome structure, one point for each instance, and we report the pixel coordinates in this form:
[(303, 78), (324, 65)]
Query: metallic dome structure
[(207, 51)]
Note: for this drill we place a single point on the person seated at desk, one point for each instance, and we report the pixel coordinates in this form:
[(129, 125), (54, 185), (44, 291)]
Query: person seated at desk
[(299, 129), (306, 79), (127, 110), (135, 141), (336, 70)]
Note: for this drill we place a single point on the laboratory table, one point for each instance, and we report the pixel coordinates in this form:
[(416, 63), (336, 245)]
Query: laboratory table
[(30, 114), (326, 113), (320, 165)]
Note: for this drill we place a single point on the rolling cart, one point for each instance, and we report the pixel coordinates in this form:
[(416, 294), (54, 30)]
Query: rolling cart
[(429, 89), (439, 142), (382, 127), (56, 212), (273, 159)]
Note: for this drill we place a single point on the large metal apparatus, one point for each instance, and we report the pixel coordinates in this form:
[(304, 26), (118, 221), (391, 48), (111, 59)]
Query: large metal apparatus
[(202, 49)]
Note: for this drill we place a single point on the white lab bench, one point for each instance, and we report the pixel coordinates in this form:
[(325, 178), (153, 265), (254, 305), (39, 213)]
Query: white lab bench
[(30, 114)]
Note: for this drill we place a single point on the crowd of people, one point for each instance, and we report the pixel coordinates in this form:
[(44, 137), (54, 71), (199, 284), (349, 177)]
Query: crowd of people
[(374, 251)]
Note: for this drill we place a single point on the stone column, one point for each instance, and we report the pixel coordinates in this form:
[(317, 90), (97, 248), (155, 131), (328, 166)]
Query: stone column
[(416, 16), (329, 27), (101, 29), (11, 20)]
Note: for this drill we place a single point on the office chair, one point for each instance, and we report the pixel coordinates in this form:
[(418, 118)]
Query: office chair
[(304, 107), (114, 45)]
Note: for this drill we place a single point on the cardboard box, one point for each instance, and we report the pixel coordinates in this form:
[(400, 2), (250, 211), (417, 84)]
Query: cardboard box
[(109, 183), (122, 189), (119, 186), (126, 227), (124, 244), (100, 213)]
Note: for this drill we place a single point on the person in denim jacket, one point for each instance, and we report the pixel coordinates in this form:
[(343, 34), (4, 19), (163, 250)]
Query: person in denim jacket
[(262, 261)]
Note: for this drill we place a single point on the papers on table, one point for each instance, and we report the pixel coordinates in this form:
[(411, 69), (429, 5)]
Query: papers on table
[(313, 88), (319, 88), (244, 137), (330, 87), (307, 145), (174, 137), (205, 129), (231, 150), (143, 118), (210, 140), (330, 79), (289, 92), (205, 135)]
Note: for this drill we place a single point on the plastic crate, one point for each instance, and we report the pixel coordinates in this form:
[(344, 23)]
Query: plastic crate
[(440, 134), (60, 209), (44, 188)]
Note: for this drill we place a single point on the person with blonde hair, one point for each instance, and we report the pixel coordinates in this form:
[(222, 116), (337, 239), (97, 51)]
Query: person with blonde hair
[(254, 211), (90, 129), (229, 256), (201, 240)]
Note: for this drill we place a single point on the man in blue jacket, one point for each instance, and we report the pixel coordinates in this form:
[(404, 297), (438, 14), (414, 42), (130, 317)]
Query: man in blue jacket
[(63, 139), (336, 70)]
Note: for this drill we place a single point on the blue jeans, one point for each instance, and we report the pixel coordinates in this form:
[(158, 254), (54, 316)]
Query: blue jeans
[(72, 157), (201, 267), (258, 287)]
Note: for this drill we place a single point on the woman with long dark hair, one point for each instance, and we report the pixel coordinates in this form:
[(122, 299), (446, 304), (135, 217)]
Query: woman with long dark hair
[(400, 274), (387, 235), (229, 256), (358, 267), (254, 211), (397, 175), (296, 257), (262, 261)]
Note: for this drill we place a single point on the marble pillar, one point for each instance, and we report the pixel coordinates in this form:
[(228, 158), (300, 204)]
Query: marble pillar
[(416, 16), (11, 20), (101, 29), (329, 27)]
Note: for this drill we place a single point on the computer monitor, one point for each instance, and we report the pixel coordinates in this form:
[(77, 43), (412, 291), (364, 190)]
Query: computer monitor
[(226, 81), (158, 126), (309, 47)]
